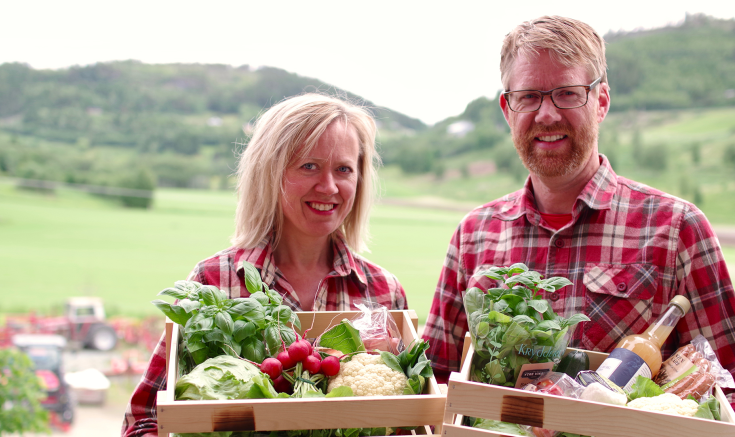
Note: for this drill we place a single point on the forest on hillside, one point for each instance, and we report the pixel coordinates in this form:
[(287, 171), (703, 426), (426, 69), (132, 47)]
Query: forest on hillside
[(135, 125)]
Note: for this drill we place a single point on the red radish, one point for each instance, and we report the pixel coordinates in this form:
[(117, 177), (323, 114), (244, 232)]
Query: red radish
[(312, 364), (330, 366), (282, 385), (299, 350), (285, 359), (316, 354), (271, 367)]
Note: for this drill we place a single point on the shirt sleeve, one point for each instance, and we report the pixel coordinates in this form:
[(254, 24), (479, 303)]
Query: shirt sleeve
[(140, 415), (703, 278), (446, 323)]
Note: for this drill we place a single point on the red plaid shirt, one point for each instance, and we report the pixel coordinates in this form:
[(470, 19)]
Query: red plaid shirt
[(353, 280), (628, 250)]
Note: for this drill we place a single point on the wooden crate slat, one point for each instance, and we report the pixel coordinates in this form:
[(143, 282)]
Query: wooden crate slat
[(287, 414), (571, 415), (281, 415)]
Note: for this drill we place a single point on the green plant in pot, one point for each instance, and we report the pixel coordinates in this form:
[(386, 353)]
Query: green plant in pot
[(514, 325)]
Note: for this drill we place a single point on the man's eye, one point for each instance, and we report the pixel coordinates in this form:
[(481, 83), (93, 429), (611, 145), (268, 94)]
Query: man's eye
[(529, 96)]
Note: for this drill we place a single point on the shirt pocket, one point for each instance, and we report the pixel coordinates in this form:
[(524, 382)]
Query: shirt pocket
[(619, 302)]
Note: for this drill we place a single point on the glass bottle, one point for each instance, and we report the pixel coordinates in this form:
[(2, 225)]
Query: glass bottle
[(641, 354)]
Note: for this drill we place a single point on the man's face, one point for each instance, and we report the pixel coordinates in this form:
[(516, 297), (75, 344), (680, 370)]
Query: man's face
[(555, 142)]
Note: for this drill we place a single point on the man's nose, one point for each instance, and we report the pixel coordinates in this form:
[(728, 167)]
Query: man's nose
[(548, 113)]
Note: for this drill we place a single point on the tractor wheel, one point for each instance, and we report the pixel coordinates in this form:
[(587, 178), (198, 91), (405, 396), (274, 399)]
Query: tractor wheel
[(102, 338)]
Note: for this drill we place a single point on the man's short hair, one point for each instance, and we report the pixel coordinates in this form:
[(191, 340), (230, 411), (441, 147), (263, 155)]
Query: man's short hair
[(569, 42)]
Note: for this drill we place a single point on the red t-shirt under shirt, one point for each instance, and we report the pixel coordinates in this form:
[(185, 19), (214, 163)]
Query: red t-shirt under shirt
[(556, 221)]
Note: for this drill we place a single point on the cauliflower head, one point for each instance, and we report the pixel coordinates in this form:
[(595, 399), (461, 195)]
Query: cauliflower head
[(666, 403), (367, 375)]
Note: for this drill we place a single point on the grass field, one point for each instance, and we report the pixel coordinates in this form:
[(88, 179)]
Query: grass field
[(69, 244)]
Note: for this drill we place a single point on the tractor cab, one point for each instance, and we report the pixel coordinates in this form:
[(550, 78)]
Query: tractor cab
[(86, 318), (45, 351)]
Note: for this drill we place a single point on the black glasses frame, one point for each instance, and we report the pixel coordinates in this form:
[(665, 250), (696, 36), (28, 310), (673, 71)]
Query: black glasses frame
[(588, 88)]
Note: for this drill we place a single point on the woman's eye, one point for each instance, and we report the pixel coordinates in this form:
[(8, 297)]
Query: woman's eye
[(309, 166), (344, 169)]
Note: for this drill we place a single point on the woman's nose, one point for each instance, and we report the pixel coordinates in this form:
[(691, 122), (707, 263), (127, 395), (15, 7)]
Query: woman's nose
[(326, 184)]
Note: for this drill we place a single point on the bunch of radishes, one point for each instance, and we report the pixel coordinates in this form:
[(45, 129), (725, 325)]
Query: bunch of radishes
[(299, 356)]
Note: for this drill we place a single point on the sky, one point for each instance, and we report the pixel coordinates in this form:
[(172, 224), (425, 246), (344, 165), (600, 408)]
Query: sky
[(427, 59)]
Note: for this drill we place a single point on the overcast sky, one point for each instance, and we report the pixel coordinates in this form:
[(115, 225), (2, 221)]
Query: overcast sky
[(427, 59)]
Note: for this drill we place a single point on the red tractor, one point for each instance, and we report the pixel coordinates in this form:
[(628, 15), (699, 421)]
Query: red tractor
[(83, 324), (46, 353)]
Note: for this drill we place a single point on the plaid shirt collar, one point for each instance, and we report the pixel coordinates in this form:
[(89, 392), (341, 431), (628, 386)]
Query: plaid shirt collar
[(597, 194), (262, 258)]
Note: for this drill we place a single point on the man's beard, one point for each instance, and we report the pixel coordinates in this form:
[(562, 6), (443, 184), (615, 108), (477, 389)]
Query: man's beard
[(557, 162)]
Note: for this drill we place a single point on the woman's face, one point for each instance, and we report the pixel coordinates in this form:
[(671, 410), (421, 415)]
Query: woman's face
[(319, 188)]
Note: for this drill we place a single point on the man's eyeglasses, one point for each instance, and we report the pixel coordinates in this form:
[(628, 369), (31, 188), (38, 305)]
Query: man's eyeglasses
[(566, 97)]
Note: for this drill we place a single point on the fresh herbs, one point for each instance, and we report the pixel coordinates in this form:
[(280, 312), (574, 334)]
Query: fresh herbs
[(413, 363), (514, 325), (254, 327)]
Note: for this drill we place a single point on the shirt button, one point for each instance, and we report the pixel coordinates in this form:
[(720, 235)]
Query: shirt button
[(622, 286), (554, 296), (559, 243)]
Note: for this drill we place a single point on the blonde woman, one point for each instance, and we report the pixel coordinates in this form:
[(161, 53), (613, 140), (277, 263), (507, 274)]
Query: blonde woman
[(305, 184)]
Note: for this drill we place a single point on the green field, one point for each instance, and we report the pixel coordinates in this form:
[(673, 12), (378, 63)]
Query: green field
[(70, 244)]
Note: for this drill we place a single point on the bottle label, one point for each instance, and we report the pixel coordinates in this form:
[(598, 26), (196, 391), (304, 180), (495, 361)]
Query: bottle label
[(622, 367)]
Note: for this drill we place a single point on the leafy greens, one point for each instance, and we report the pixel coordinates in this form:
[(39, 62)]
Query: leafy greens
[(513, 325)]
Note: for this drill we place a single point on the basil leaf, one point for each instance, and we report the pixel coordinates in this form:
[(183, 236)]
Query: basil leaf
[(275, 298), (282, 313), (253, 283), (261, 297), (548, 324), (253, 349), (553, 284), (249, 305), (540, 305), (223, 320), (523, 319), (174, 312), (474, 300), (190, 305), (207, 296), (573, 320), (173, 292), (242, 329)]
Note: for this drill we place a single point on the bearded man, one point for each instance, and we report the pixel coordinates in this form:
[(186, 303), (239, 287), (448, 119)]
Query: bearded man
[(627, 248)]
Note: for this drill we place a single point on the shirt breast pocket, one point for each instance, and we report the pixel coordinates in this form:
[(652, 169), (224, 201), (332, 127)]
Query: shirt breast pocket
[(619, 301)]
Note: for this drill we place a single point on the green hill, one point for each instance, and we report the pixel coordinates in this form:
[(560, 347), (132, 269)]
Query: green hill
[(671, 125), (103, 124), (136, 125)]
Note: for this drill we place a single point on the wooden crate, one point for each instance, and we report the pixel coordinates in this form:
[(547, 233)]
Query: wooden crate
[(288, 414), (473, 399)]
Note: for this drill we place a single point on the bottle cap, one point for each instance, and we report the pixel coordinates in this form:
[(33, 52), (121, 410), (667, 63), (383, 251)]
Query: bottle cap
[(681, 302)]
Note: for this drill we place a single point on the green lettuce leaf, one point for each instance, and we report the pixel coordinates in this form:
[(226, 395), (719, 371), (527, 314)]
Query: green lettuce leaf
[(644, 388), (342, 337), (223, 378)]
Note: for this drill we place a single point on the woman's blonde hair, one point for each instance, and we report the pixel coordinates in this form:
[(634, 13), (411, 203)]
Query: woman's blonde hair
[(569, 42), (277, 137)]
